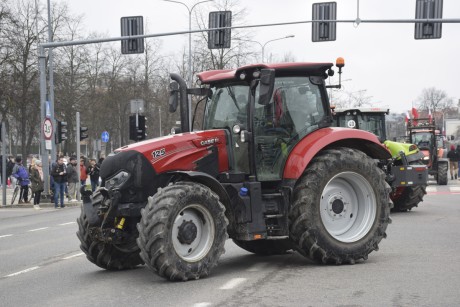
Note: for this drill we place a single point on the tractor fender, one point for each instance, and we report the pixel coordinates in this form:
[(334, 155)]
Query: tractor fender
[(208, 181), (308, 147)]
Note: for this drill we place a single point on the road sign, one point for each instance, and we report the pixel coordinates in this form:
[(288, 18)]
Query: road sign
[(105, 136), (48, 129)]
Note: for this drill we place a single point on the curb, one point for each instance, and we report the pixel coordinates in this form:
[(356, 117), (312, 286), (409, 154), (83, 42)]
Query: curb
[(42, 205)]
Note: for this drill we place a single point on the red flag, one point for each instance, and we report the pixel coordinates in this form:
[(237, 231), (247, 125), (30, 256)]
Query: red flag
[(407, 117), (415, 115)]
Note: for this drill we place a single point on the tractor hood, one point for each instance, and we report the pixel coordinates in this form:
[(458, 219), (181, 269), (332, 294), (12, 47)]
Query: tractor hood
[(175, 152), (135, 168)]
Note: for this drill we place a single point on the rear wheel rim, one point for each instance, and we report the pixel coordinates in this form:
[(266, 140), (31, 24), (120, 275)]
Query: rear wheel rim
[(193, 233), (348, 207)]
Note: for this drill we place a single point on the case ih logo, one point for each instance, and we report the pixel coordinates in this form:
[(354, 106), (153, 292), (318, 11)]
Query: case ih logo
[(209, 142)]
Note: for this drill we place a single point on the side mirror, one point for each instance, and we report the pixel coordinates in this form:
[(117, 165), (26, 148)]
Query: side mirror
[(173, 96), (267, 85)]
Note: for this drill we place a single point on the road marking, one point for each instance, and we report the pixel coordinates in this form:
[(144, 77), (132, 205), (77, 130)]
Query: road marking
[(69, 223), (23, 271), (232, 283), (431, 189), (38, 229), (455, 189), (4, 236), (257, 267), (72, 256), (203, 304)]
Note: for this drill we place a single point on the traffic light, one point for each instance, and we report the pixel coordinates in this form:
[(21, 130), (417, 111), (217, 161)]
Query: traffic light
[(61, 132), (83, 133), (137, 132), (141, 129)]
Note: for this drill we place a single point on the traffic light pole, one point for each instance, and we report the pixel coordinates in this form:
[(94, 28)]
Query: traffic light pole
[(4, 180), (78, 155)]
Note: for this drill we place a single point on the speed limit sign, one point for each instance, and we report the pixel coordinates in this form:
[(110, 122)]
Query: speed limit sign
[(48, 129)]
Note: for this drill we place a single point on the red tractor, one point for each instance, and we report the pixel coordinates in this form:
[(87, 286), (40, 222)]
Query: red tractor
[(423, 133), (267, 170)]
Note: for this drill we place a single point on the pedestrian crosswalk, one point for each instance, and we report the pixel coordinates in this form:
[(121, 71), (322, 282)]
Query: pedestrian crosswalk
[(437, 189)]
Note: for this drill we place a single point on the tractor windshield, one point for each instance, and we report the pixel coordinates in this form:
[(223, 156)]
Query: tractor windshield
[(422, 139), (374, 123), (227, 106)]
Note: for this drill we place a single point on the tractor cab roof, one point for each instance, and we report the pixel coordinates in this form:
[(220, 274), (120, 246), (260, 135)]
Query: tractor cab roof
[(363, 110), (282, 69)]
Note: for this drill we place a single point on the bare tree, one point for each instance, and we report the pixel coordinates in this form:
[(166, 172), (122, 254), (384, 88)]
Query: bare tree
[(434, 99)]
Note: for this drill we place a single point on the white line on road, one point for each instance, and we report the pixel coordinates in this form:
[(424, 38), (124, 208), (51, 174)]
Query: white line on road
[(431, 189), (23, 271), (38, 229), (203, 304), (73, 256), (455, 189), (4, 236), (69, 223), (232, 283)]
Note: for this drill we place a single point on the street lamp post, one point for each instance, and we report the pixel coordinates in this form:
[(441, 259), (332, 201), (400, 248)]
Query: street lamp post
[(189, 51), (272, 40), (262, 46)]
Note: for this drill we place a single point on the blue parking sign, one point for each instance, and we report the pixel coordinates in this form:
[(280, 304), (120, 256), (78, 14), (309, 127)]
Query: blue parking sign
[(105, 136)]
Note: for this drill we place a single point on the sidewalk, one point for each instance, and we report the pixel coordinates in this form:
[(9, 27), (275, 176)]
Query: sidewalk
[(44, 203)]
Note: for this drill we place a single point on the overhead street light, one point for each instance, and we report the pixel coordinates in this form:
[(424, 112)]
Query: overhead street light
[(262, 45), (190, 9)]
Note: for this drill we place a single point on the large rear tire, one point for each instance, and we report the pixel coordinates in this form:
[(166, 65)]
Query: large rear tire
[(105, 255), (341, 207), (182, 231), (264, 247), (409, 198), (442, 173)]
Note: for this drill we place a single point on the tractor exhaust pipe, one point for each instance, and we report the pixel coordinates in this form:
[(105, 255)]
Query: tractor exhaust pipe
[(183, 102)]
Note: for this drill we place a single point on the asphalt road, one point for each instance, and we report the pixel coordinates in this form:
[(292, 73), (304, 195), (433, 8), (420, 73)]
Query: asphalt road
[(417, 265)]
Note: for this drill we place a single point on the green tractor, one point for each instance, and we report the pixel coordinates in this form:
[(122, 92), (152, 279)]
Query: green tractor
[(408, 187)]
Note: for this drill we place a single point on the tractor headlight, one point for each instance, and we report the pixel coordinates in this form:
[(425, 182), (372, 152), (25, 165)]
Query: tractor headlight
[(426, 158), (117, 181)]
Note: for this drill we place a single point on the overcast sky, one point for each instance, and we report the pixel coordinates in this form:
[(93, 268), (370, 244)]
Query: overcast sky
[(383, 59)]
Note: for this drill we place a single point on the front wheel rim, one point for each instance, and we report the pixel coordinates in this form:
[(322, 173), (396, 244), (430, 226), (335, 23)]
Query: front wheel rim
[(348, 207), (193, 233)]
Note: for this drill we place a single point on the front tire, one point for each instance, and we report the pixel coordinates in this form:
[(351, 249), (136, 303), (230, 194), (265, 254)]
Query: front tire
[(442, 173), (408, 198), (182, 231), (105, 255), (341, 207)]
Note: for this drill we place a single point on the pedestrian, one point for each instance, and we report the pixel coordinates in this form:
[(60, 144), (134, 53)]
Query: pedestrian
[(22, 177), (453, 156), (9, 170), (36, 177), (72, 178), (93, 171), (83, 172), (59, 174)]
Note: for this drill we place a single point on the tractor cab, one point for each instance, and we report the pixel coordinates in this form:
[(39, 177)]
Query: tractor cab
[(368, 119), (265, 129)]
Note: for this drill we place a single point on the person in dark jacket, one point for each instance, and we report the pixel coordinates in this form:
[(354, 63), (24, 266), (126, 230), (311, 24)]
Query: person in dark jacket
[(453, 156), (72, 178), (59, 173), (37, 184), (93, 171)]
